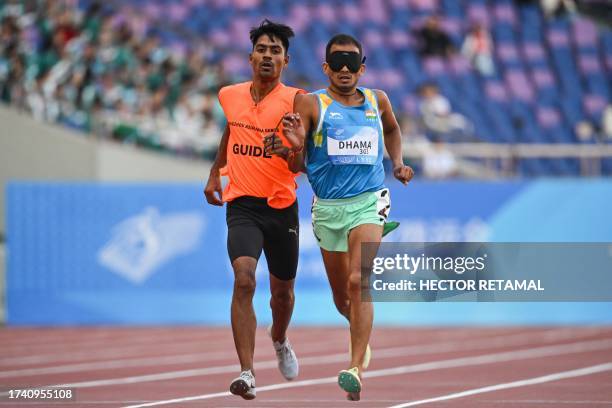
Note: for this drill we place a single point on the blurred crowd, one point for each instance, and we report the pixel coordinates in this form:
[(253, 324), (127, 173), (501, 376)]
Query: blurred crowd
[(104, 73), (111, 75), (99, 72)]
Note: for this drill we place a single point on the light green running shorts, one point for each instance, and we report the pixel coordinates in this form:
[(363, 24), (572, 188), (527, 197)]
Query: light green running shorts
[(333, 219)]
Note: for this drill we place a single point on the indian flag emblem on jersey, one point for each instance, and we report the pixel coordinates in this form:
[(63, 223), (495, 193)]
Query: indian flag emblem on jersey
[(370, 114)]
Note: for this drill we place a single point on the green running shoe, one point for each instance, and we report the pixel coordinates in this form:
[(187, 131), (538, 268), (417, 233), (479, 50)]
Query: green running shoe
[(349, 380), (389, 226)]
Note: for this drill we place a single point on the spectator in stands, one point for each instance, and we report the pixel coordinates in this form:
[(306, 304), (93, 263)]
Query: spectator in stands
[(66, 66), (606, 123), (433, 41), (521, 3), (438, 161), (556, 8), (585, 131), (9, 34), (440, 122), (478, 48), (12, 60)]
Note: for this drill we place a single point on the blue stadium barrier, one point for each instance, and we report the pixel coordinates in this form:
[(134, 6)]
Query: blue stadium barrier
[(156, 253)]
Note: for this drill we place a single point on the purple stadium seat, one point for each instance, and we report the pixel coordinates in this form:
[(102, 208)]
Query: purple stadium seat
[(235, 64), (299, 17), (478, 13), (496, 91), (519, 85), (121, 18), (434, 66), (325, 13), (548, 117), (320, 50), (400, 4), (300, 10), (221, 3), (507, 52), (594, 104), (177, 12), (371, 78), (410, 104), (220, 38), (195, 3), (152, 10), (585, 33), (416, 22), (428, 6), (589, 64), (558, 38), (401, 39), (452, 26), (351, 13), (543, 78), (238, 27), (459, 65), (373, 39), (374, 10), (391, 79), (609, 62), (246, 4), (534, 52), (504, 13)]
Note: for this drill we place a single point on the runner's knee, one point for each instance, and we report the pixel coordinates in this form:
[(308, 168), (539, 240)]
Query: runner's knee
[(244, 281), (354, 283), (284, 297), (244, 285)]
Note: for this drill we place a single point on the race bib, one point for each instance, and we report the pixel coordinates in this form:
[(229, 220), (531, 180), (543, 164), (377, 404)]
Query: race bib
[(352, 145)]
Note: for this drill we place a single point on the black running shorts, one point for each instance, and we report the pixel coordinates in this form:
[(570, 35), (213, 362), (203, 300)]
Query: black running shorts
[(253, 225)]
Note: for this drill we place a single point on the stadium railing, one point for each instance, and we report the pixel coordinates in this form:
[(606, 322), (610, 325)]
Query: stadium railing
[(494, 160)]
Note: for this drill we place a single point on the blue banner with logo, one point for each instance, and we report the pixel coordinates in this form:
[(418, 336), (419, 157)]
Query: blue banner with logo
[(87, 253)]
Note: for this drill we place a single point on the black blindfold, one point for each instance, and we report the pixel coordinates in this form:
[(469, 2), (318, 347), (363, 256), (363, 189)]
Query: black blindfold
[(339, 59)]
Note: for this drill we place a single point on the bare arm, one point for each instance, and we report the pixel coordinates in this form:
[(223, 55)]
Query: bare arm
[(214, 179), (296, 127), (221, 158), (303, 106), (393, 138)]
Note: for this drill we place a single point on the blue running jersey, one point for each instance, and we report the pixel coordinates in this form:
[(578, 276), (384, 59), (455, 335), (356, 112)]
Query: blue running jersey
[(344, 155)]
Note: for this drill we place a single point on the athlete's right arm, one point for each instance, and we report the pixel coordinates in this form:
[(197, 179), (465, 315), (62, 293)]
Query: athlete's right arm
[(214, 178), (297, 130)]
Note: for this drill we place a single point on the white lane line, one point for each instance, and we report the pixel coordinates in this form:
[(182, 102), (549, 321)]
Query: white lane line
[(121, 363), (514, 384), (391, 352), (554, 334), (553, 402), (102, 353), (523, 354), (171, 359), (73, 339), (128, 350), (332, 358)]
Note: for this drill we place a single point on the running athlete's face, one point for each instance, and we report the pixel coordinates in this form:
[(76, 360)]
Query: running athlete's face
[(268, 58), (344, 80)]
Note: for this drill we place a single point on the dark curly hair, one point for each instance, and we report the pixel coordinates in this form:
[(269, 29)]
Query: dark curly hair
[(281, 31)]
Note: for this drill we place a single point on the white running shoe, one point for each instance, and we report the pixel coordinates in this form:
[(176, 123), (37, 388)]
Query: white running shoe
[(244, 385), (287, 360)]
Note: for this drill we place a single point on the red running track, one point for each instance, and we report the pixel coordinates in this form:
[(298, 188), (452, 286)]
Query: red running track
[(193, 366)]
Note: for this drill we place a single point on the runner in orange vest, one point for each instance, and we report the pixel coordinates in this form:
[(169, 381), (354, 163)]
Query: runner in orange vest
[(262, 211)]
